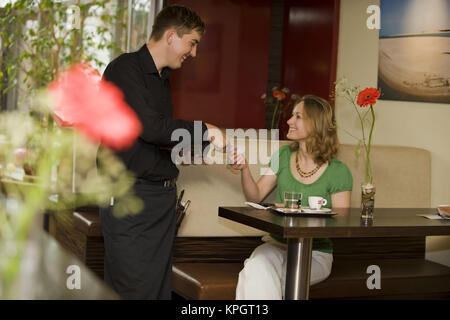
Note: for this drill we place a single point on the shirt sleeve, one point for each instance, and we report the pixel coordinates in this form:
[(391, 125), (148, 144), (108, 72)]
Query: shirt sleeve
[(342, 179), (157, 127)]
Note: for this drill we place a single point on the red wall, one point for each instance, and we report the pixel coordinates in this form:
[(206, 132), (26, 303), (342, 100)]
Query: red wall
[(224, 83), (309, 49)]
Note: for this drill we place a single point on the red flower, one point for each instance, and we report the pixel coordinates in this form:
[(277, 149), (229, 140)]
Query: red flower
[(367, 97), (280, 95), (94, 106)]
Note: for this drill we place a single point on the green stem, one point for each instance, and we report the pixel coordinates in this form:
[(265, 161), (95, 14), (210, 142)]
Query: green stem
[(365, 114), (368, 166), (347, 132), (363, 132), (274, 116), (361, 121)]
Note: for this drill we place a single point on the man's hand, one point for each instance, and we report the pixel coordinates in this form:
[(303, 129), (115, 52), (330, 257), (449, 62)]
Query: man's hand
[(217, 137)]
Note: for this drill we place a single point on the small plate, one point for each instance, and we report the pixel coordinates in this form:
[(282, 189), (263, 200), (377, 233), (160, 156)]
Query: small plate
[(309, 210), (304, 212)]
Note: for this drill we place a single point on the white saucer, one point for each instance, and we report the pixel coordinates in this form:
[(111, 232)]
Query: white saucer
[(321, 210)]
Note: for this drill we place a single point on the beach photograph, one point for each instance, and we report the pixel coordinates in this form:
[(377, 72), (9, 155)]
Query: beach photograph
[(414, 50)]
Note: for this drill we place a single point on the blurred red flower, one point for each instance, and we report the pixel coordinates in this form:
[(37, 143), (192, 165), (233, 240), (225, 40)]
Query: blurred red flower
[(80, 98), (280, 95), (275, 105), (368, 97)]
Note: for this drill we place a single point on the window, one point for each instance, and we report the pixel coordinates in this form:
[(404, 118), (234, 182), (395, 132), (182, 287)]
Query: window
[(38, 38)]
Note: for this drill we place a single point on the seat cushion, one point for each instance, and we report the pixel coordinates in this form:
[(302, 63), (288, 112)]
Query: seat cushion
[(400, 279), (206, 281)]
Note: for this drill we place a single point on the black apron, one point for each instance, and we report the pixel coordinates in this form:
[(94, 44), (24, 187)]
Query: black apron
[(138, 248)]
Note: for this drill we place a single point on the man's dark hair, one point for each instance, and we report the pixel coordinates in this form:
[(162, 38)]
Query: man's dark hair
[(183, 19)]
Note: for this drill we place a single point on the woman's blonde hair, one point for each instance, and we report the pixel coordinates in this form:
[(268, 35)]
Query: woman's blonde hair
[(322, 142)]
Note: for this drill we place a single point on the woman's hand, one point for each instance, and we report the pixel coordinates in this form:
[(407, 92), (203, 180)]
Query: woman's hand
[(253, 191), (279, 205), (237, 159)]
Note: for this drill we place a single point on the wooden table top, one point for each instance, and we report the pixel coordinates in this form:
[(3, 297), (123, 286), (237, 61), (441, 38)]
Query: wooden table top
[(387, 222)]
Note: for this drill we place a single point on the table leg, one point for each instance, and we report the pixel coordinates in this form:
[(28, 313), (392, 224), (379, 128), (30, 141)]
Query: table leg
[(298, 269)]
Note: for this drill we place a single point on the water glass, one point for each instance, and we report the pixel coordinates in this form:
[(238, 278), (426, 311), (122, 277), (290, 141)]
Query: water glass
[(292, 199)]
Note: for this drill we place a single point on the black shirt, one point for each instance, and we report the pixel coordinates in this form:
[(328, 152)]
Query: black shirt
[(149, 95)]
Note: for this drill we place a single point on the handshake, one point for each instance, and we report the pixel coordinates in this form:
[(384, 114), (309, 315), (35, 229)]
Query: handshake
[(220, 142), (237, 159)]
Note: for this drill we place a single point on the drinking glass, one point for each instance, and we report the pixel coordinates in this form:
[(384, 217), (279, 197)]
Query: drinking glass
[(292, 200)]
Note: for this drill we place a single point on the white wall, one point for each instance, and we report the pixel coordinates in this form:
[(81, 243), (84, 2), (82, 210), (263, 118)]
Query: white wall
[(399, 123)]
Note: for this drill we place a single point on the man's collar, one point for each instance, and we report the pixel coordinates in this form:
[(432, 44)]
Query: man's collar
[(149, 64)]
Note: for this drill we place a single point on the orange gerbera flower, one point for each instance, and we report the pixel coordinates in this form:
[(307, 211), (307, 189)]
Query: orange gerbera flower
[(280, 95), (368, 97)]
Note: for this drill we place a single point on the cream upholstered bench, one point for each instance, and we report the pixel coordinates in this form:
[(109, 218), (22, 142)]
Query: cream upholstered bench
[(209, 251)]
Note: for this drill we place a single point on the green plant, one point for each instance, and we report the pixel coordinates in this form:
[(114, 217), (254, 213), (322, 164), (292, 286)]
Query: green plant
[(77, 97), (39, 38), (359, 99), (276, 103)]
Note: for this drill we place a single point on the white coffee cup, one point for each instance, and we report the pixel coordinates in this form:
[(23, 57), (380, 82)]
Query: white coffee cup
[(316, 202)]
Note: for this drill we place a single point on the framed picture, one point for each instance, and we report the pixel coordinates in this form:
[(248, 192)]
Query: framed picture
[(414, 50)]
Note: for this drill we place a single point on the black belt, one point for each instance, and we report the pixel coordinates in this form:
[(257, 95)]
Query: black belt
[(162, 183)]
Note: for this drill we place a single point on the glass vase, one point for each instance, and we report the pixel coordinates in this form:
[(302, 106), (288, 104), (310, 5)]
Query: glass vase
[(367, 200)]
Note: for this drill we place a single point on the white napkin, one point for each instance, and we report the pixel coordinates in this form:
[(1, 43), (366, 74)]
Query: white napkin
[(433, 216), (256, 205)]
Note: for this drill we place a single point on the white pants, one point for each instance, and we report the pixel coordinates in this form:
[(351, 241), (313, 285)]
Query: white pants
[(264, 273)]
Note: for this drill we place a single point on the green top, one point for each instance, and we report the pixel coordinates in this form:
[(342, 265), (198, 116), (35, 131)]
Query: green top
[(336, 178)]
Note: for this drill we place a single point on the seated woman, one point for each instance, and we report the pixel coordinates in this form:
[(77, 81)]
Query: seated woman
[(309, 166)]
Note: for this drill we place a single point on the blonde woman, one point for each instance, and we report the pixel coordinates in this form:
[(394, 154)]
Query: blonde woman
[(308, 165)]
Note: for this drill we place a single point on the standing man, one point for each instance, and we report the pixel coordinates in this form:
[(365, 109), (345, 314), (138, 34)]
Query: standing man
[(138, 248)]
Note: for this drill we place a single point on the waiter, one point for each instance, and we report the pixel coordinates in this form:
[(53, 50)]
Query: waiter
[(138, 248)]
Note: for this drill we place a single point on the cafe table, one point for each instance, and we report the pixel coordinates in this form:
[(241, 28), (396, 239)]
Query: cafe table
[(299, 231)]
